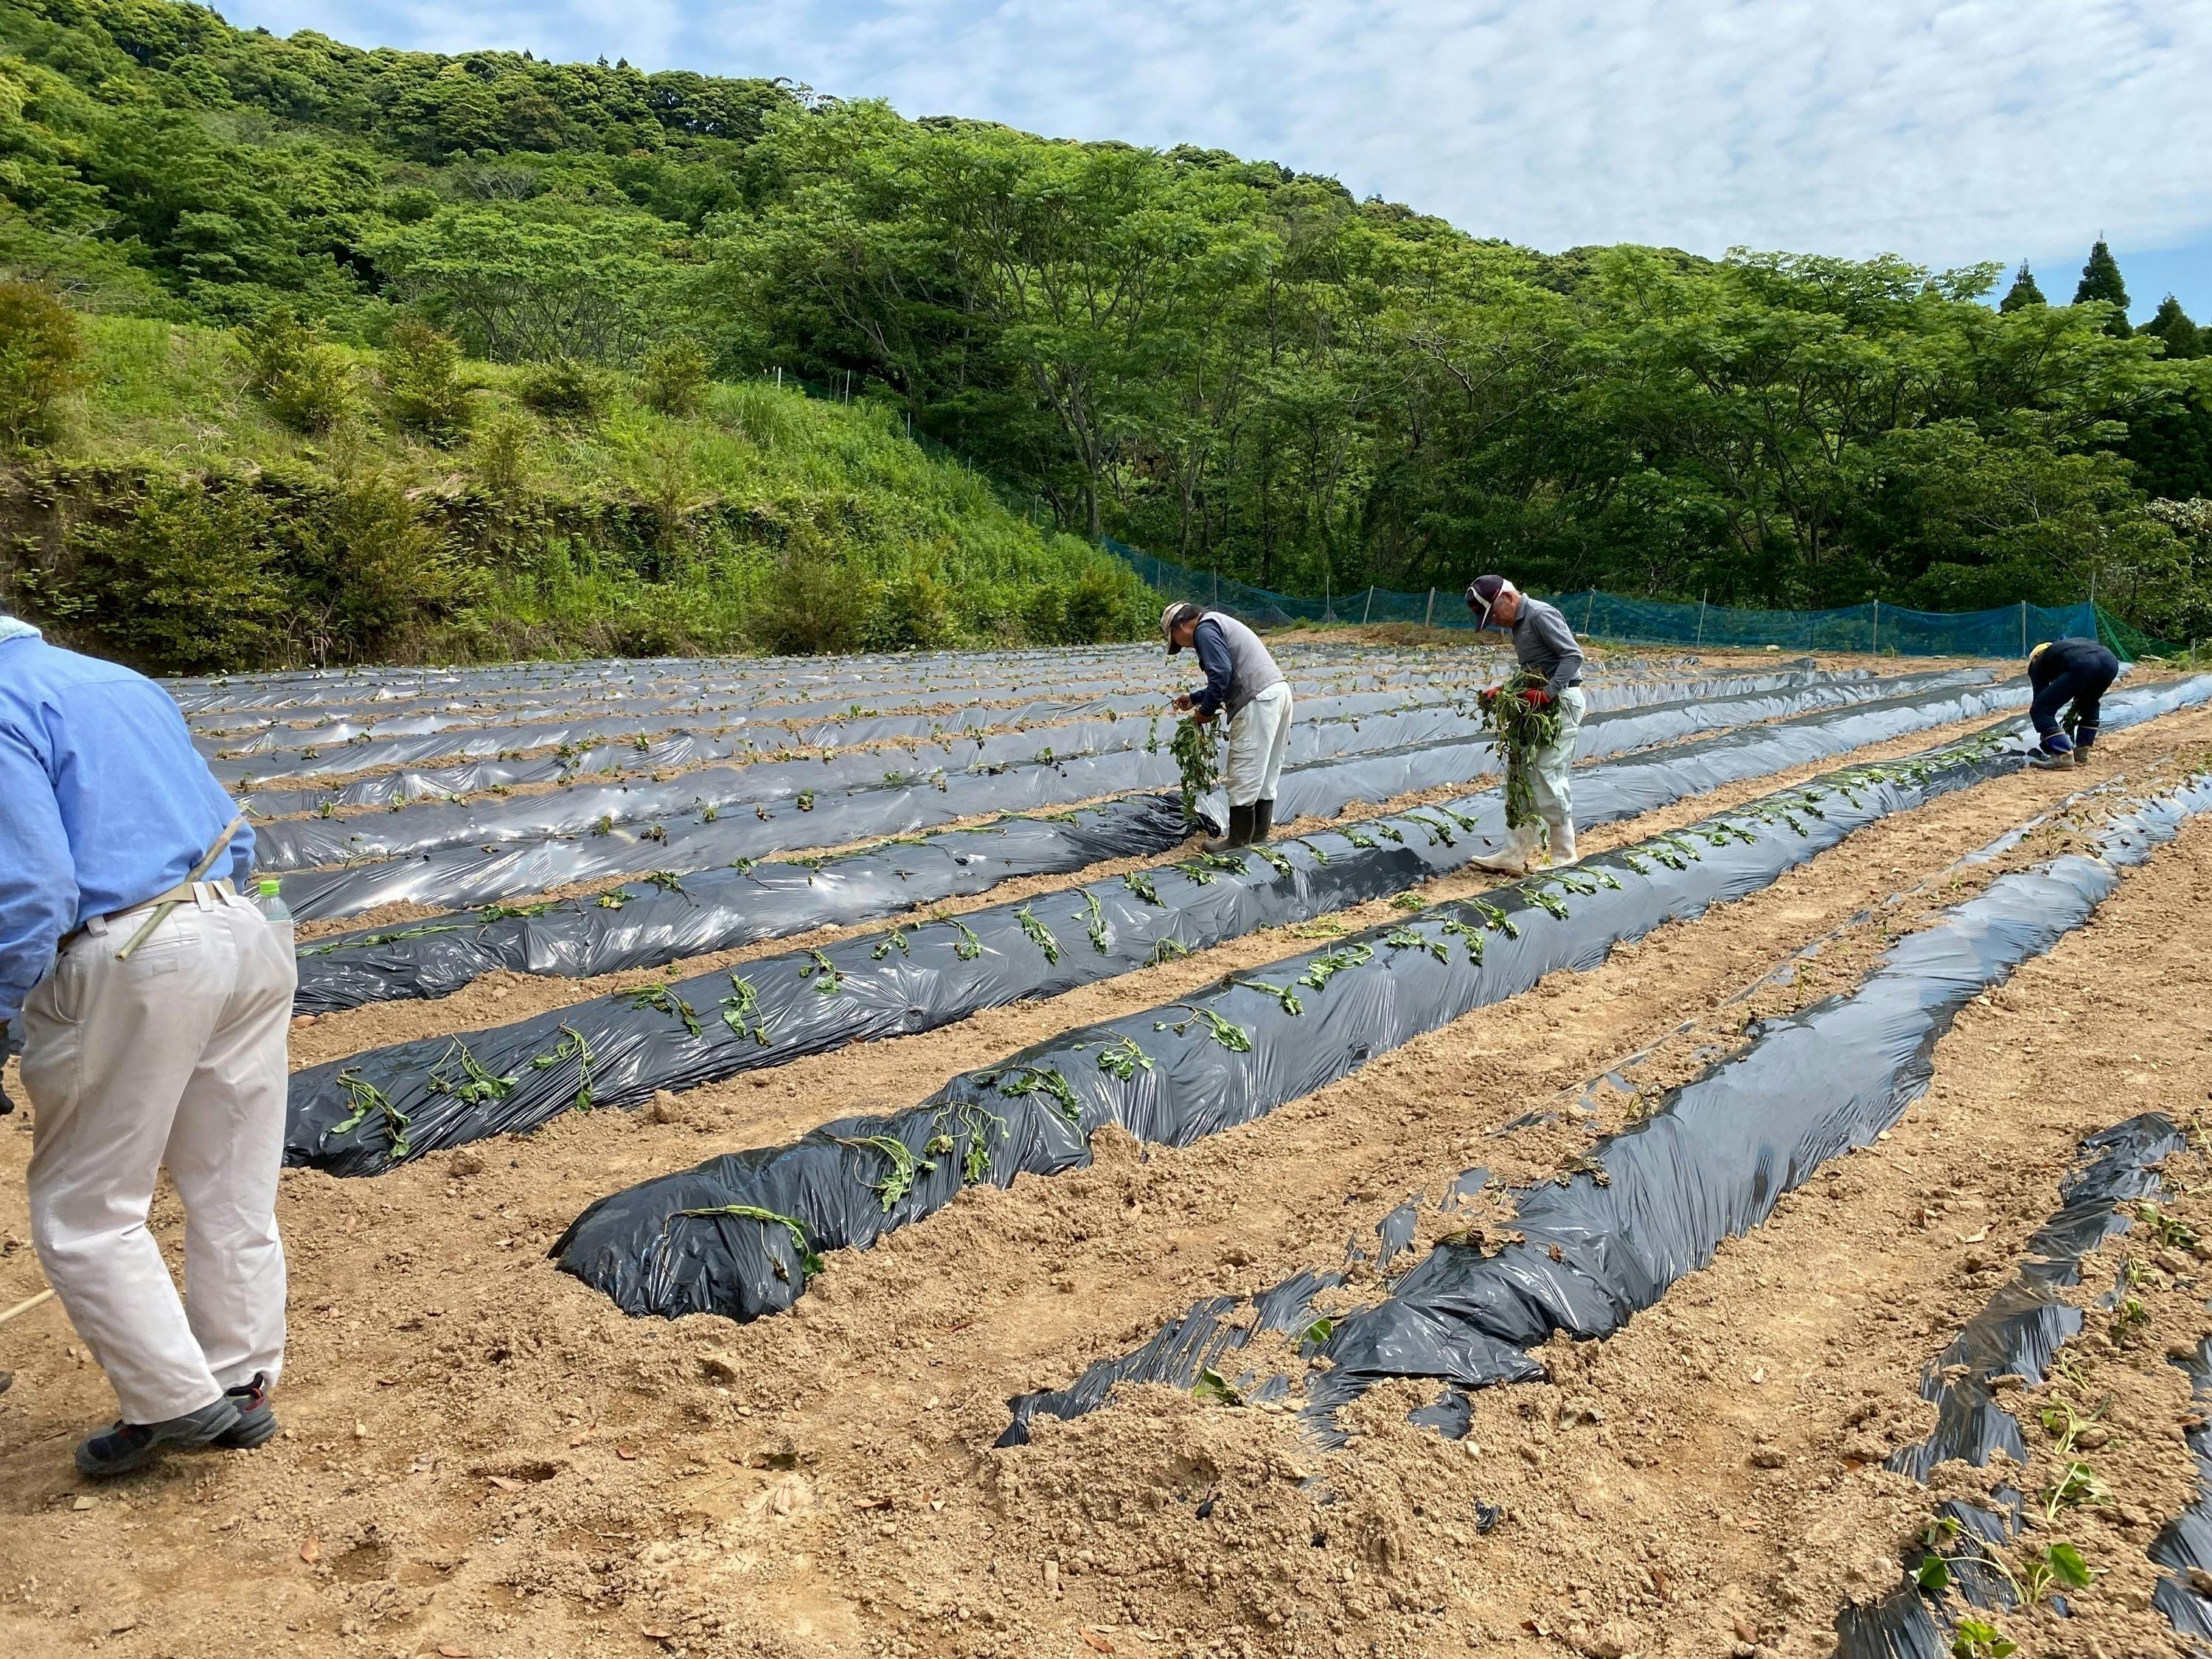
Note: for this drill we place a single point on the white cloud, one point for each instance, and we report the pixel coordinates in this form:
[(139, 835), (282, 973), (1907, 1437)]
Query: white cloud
[(1947, 130)]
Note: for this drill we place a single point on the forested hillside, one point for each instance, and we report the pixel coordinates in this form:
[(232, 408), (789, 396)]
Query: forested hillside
[(1215, 359)]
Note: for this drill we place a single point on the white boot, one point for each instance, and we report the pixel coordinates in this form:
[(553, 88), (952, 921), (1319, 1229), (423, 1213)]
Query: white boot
[(1563, 845), (1513, 858)]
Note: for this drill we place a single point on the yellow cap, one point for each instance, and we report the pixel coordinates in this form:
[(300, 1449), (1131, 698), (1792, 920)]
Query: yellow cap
[(2038, 651)]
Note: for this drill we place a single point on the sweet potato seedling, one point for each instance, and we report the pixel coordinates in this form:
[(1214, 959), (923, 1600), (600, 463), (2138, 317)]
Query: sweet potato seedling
[(367, 1097), (659, 997), (741, 1011), (1235, 1038), (899, 1178), (1040, 935)]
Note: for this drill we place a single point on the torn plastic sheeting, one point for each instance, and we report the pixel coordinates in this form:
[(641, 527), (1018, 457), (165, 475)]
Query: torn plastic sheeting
[(726, 908), (1714, 1158), (2017, 1334), (2028, 1322), (716, 909), (1240, 1049), (457, 877), (1327, 726), (2183, 1545), (1710, 1162)]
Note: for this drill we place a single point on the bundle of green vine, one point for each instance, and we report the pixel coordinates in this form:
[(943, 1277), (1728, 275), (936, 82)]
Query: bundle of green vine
[(1523, 732), (1193, 748)]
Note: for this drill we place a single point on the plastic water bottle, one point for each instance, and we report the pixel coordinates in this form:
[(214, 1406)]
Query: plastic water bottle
[(270, 901)]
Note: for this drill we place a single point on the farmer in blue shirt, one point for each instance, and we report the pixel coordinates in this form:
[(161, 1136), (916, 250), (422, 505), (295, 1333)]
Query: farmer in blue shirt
[(142, 1046)]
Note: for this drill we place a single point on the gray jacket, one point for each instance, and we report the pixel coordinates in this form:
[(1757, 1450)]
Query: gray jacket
[(1546, 645)]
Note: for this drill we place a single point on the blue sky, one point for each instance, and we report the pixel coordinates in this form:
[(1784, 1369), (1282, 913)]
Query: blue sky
[(1946, 130)]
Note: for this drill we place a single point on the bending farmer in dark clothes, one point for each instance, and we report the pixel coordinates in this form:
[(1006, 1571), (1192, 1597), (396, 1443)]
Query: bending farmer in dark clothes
[(1241, 677), (2062, 672)]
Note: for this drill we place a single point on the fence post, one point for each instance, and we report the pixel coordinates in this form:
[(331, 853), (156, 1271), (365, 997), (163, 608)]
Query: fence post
[(1368, 606), (1590, 605), (1429, 621), (1701, 619), (2023, 628)]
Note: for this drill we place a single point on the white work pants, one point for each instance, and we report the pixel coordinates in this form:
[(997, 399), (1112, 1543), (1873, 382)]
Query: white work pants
[(1259, 737), (1551, 781), (176, 1056)]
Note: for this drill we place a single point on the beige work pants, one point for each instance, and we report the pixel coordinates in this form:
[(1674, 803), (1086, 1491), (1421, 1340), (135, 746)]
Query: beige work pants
[(175, 1057), (1258, 738), (1552, 782)]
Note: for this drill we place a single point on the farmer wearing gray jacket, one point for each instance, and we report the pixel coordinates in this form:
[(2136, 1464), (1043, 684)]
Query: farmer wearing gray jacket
[(1242, 681), (1547, 649)]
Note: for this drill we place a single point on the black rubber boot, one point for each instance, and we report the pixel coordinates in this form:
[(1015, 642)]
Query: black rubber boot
[(1240, 832), (1263, 819)]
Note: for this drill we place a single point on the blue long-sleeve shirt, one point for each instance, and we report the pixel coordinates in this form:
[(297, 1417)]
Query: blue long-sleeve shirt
[(104, 802)]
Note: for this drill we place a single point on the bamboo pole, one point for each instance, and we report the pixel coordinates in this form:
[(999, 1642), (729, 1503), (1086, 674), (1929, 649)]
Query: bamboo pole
[(27, 1305)]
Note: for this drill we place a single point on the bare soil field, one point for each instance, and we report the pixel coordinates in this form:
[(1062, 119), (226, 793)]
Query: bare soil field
[(484, 1457)]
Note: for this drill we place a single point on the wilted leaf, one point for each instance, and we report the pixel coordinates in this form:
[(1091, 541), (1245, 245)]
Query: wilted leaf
[(312, 1551)]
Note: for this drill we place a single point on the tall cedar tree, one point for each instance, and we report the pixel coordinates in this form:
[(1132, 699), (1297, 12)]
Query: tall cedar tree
[(2182, 337), (2023, 292), (2100, 280)]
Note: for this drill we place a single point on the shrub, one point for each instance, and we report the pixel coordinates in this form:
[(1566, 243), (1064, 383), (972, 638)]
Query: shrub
[(273, 342), (317, 394), (499, 456), (374, 573), (675, 380), (564, 389), (1044, 614), (818, 602), (187, 583), (423, 385), (41, 362), (913, 611), (308, 384), (1105, 603)]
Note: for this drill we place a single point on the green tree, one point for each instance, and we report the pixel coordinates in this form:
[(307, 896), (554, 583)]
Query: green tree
[(2172, 328), (2023, 291), (2100, 282), (535, 282)]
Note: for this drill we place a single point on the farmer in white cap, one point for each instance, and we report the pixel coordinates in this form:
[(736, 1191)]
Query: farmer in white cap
[(1548, 651), (154, 1000), (1241, 678)]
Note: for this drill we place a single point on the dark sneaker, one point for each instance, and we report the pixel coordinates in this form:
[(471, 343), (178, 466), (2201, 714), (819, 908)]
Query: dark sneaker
[(257, 1421), (129, 1446)]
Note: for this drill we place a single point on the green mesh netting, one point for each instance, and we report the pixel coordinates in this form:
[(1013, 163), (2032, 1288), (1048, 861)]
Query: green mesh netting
[(2012, 630)]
